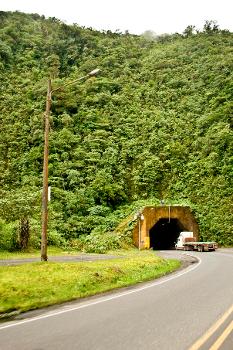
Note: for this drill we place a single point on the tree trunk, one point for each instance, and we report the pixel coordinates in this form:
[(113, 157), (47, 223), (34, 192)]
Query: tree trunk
[(24, 233)]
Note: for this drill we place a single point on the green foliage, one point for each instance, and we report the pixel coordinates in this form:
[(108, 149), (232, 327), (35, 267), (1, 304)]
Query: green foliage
[(55, 239), (155, 124), (96, 243), (102, 242), (8, 236)]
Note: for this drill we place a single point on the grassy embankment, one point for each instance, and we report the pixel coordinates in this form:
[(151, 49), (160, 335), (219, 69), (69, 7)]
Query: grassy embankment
[(36, 285)]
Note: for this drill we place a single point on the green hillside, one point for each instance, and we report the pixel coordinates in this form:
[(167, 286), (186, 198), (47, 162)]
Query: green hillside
[(155, 124)]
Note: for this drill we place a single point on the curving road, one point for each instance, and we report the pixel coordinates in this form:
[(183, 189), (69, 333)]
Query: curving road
[(191, 309)]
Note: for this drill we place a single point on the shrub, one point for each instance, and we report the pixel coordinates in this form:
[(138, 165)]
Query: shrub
[(101, 243), (55, 239), (8, 235)]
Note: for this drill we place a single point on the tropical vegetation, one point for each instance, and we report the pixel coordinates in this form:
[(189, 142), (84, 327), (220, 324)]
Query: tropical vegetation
[(155, 124)]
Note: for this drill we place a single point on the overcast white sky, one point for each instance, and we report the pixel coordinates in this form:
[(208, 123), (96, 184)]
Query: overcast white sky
[(137, 16)]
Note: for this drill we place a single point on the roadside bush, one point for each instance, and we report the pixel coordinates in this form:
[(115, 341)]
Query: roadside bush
[(8, 236), (96, 243), (34, 241), (55, 239), (101, 243)]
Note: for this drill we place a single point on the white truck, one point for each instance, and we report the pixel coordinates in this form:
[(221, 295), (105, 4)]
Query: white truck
[(186, 241)]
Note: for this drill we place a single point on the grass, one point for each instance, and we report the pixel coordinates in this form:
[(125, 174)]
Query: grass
[(36, 285)]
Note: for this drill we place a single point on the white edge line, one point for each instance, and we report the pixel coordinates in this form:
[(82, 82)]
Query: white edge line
[(116, 296)]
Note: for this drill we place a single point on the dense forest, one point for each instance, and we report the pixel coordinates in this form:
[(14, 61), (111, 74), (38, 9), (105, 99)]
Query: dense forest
[(155, 124)]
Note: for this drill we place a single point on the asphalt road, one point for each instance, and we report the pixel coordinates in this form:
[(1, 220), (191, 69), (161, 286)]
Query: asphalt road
[(191, 309), (65, 258)]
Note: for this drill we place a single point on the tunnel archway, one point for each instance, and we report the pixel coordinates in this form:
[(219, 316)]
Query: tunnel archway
[(158, 227), (164, 234)]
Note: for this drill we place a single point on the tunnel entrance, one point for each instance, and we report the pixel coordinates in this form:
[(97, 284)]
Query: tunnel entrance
[(158, 227), (164, 233)]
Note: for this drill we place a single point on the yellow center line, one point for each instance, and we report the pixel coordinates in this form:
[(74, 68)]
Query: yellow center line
[(222, 337), (211, 330)]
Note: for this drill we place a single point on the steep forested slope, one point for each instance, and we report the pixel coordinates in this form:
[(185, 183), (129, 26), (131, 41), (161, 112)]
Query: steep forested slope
[(155, 124)]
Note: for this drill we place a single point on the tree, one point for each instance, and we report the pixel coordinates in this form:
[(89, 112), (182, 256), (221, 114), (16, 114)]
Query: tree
[(210, 27)]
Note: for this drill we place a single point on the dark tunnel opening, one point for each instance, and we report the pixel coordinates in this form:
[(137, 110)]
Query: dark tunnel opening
[(164, 234)]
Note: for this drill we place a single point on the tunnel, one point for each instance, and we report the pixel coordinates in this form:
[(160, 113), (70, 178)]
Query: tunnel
[(164, 234), (158, 227)]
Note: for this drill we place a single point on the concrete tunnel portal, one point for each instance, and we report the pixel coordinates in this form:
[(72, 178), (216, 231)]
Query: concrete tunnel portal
[(159, 227)]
